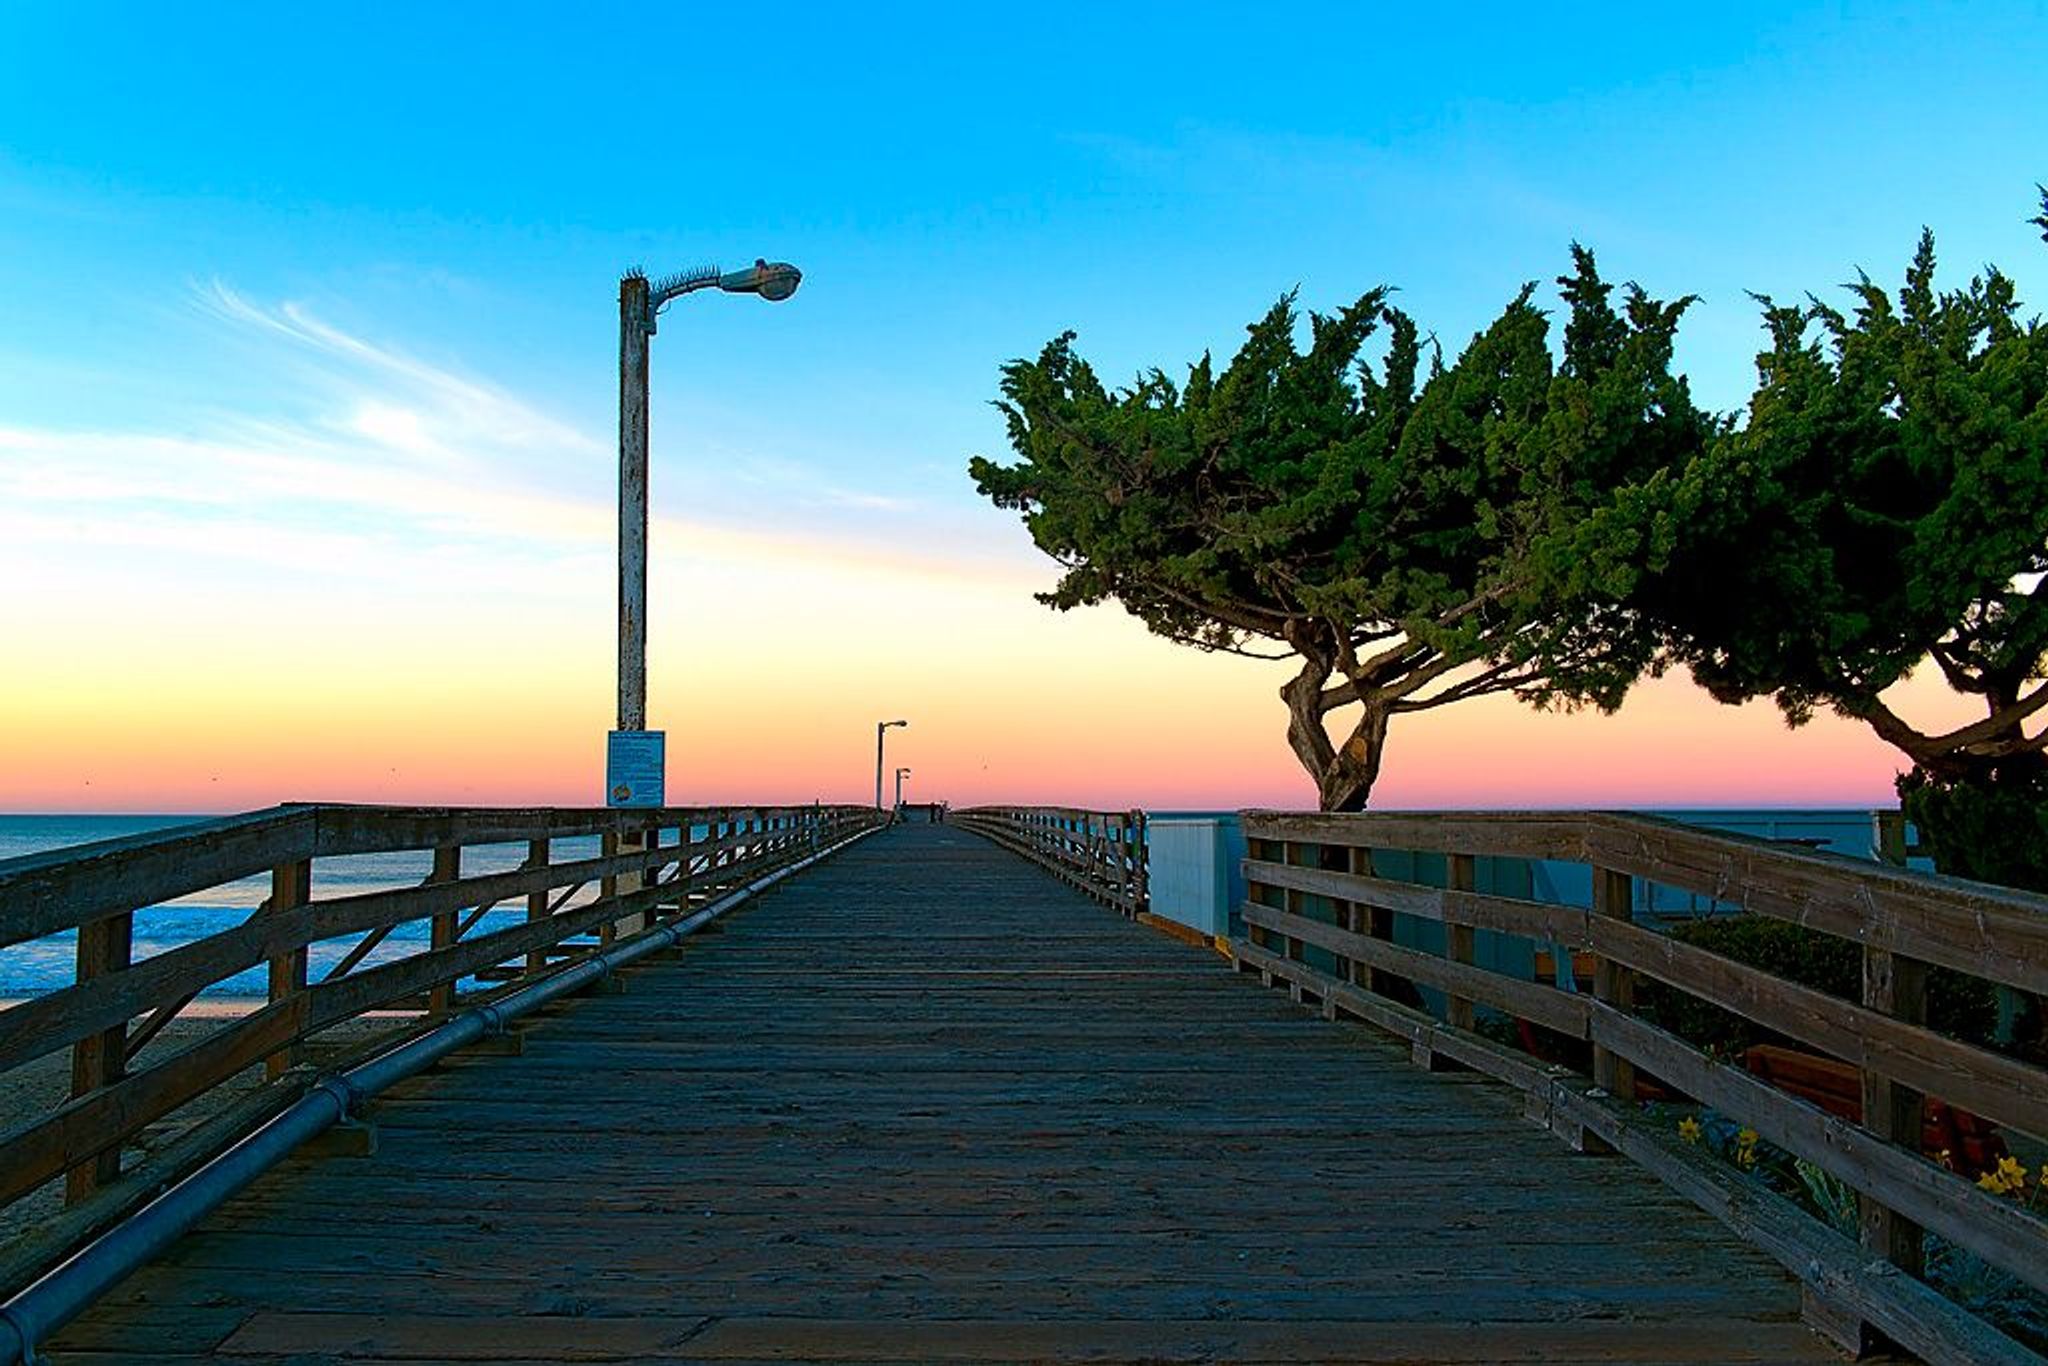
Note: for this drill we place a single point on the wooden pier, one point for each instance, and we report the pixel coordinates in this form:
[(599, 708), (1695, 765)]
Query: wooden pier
[(753, 1084), (927, 1103)]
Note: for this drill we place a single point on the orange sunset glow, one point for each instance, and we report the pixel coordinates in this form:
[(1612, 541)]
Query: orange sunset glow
[(499, 692)]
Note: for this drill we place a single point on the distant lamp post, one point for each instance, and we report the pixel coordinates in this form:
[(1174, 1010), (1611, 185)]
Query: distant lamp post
[(881, 729), (901, 774), (635, 761)]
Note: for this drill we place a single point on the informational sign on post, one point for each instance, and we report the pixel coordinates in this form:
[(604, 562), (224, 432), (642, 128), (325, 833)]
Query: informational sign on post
[(635, 764)]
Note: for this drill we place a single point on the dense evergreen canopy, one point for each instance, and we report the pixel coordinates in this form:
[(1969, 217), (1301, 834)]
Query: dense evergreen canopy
[(1414, 532), (1417, 533), (1883, 504)]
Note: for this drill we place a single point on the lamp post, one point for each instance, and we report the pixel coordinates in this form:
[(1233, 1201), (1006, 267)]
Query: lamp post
[(881, 729), (901, 774), (634, 765)]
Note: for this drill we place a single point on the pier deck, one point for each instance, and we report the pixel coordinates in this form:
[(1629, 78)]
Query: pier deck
[(927, 1103)]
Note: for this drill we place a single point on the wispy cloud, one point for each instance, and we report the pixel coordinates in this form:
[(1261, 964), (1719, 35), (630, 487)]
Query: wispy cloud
[(375, 464), (802, 484), (402, 403)]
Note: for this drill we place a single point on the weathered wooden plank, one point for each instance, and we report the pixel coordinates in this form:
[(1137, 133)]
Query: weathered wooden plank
[(1421, 1343), (45, 1023), (1507, 834), (1551, 1008), (60, 890), (1991, 932), (1998, 1230), (32, 1153), (1421, 1030), (1454, 905), (1996, 933), (1994, 1085), (345, 829)]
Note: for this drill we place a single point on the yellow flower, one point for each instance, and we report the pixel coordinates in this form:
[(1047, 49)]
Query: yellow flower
[(2012, 1172), (1746, 1138), (1689, 1130), (1993, 1182), (1745, 1158)]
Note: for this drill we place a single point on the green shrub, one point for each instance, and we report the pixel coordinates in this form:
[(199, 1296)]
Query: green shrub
[(1958, 1005)]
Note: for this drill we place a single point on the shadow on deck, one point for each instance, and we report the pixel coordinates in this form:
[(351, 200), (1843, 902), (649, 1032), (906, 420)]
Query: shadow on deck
[(926, 1103)]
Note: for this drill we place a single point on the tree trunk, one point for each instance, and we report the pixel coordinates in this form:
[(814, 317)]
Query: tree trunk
[(1343, 776)]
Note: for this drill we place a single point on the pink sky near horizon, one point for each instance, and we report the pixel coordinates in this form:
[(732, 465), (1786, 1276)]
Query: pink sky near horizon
[(424, 702)]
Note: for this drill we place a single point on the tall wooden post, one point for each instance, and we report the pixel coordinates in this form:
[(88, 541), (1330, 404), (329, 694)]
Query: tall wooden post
[(99, 1060), (291, 886), (635, 325)]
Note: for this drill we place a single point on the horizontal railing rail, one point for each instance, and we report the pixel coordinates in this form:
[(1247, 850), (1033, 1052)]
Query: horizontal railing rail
[(536, 905), (1100, 852), (1377, 916)]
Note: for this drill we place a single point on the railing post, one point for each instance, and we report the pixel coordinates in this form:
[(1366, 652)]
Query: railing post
[(1613, 984), (1351, 915), (1260, 849), (1125, 865), (1290, 901), (1890, 837), (1898, 987), (1463, 876), (442, 927), (630, 842), (537, 904), (608, 885), (1141, 863), (1375, 922), (99, 1060), (291, 886)]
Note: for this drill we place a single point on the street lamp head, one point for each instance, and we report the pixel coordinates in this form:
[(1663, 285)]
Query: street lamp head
[(772, 280), (886, 724)]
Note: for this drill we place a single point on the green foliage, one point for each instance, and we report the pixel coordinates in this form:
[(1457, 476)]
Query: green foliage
[(1883, 503), (2000, 1297), (1390, 522), (1883, 500), (1830, 1198), (1957, 1004), (1991, 826)]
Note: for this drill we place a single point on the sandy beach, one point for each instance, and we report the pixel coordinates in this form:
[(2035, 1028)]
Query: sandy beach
[(36, 1088)]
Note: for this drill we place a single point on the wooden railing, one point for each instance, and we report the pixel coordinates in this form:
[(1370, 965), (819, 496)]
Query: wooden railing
[(1100, 852), (1322, 918), (647, 865)]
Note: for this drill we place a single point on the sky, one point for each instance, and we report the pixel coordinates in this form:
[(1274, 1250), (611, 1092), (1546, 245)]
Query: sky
[(308, 341)]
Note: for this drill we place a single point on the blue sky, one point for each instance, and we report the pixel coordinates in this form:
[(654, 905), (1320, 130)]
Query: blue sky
[(247, 252)]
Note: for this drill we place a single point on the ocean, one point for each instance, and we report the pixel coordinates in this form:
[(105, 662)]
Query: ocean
[(48, 963)]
